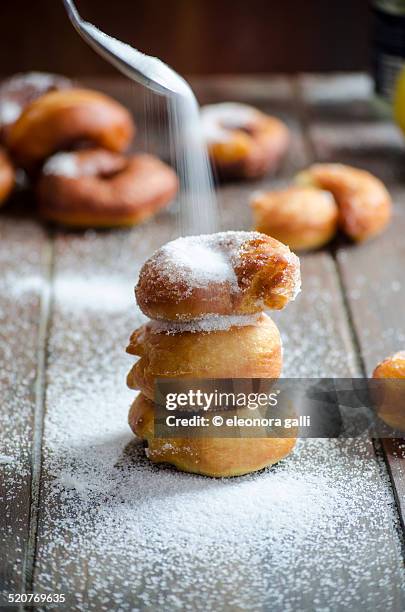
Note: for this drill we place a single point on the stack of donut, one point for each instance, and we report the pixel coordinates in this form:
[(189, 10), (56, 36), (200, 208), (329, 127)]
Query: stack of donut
[(326, 197), (205, 296), (71, 142)]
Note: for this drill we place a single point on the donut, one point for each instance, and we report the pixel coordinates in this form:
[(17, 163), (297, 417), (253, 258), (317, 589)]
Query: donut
[(363, 201), (7, 176), (392, 367), (65, 119), (98, 188), (205, 296), (229, 273), (249, 348), (216, 457), (302, 217), (242, 141), (391, 404), (19, 90)]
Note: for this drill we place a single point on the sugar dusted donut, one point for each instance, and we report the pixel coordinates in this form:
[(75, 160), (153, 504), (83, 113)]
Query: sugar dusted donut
[(364, 202), (245, 347), (391, 407), (64, 119), (242, 141), (7, 176), (302, 217), (230, 273), (218, 457), (98, 188), (19, 90)]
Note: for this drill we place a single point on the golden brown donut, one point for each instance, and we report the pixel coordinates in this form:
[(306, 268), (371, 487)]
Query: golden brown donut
[(230, 273), (98, 188), (217, 457), (251, 351), (7, 176), (302, 217), (242, 141), (62, 119), (19, 90), (364, 202), (392, 367), (391, 408)]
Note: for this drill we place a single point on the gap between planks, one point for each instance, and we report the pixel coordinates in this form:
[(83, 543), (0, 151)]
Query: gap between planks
[(40, 393)]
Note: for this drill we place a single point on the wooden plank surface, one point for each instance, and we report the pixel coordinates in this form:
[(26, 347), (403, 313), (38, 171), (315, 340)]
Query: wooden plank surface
[(24, 265), (316, 531), (117, 533), (373, 274)]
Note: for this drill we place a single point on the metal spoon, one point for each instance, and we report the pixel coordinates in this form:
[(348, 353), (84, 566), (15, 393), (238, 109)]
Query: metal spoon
[(145, 69)]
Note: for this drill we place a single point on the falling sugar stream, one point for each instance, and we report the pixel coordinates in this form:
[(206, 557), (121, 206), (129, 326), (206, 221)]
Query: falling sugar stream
[(198, 209)]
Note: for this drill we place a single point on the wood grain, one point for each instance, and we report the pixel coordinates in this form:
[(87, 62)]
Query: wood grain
[(24, 263), (318, 342), (372, 273), (93, 313)]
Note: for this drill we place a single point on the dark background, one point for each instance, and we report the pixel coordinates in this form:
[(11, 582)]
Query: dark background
[(194, 36)]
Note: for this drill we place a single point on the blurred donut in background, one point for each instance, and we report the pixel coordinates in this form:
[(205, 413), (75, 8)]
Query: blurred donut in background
[(18, 91), (98, 188), (363, 200), (302, 217), (66, 119), (243, 143)]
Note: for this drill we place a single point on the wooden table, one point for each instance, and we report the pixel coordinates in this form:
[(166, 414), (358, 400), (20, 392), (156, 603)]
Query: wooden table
[(82, 511)]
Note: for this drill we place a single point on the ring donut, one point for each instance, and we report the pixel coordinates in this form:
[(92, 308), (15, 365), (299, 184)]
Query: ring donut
[(206, 295), (363, 201), (302, 217), (247, 349), (230, 273), (217, 457), (19, 90), (63, 119), (98, 188), (7, 176), (242, 141)]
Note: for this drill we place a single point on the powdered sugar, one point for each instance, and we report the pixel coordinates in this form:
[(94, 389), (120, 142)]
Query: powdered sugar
[(78, 293), (62, 164), (9, 111), (37, 80), (197, 261), (6, 459), (218, 119), (21, 261), (21, 89), (194, 262), (197, 198), (119, 533), (162, 78), (200, 260), (209, 323)]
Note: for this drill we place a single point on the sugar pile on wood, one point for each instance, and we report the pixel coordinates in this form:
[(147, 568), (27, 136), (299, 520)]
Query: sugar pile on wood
[(188, 542)]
